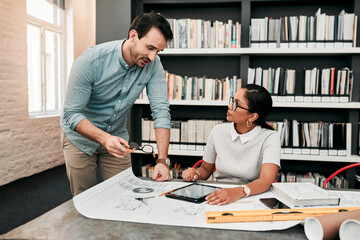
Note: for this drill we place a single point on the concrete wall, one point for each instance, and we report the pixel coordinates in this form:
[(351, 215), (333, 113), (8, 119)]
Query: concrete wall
[(28, 146), (112, 19)]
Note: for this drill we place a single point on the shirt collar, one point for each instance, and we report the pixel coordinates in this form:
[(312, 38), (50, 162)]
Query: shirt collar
[(121, 58), (243, 137)]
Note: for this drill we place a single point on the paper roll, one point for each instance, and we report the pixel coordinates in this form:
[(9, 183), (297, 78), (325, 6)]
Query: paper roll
[(350, 229), (313, 229), (327, 227)]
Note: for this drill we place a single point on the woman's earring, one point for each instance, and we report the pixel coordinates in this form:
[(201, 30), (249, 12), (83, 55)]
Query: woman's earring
[(247, 124)]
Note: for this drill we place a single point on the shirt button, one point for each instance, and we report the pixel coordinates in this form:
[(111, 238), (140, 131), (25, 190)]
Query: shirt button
[(114, 115), (124, 88), (109, 126), (119, 101), (127, 66)]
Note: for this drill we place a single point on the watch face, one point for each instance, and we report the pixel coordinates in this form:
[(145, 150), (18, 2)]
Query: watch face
[(246, 190)]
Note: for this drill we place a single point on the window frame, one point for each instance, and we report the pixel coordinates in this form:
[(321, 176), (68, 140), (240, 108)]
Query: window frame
[(61, 30)]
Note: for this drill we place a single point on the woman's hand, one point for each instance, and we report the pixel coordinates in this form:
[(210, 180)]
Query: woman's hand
[(224, 196), (190, 174)]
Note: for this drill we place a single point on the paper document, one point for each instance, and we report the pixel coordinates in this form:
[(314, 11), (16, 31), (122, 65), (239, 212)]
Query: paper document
[(118, 199)]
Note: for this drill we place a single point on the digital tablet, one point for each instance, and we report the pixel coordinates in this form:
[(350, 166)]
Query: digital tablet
[(195, 192)]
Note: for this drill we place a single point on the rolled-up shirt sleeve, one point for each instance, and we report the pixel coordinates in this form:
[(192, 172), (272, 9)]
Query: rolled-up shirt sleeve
[(157, 93), (78, 91)]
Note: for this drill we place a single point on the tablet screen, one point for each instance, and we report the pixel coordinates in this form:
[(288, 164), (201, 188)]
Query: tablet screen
[(194, 192)]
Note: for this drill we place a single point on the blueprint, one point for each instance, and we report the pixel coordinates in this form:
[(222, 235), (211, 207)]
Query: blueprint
[(118, 199)]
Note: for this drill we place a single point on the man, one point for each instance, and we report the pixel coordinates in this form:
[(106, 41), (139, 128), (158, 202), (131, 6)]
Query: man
[(103, 85)]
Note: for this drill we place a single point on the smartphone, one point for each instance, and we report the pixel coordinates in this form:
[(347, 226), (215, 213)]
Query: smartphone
[(273, 203)]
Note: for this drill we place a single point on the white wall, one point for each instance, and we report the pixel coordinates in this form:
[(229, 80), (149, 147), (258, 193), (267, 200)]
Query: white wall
[(84, 25)]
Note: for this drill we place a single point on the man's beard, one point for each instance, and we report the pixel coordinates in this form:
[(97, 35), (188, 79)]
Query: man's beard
[(144, 60)]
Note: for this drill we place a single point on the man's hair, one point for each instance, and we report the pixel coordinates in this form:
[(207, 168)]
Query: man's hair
[(145, 21)]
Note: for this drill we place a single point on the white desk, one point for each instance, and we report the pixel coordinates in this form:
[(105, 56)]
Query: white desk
[(64, 222)]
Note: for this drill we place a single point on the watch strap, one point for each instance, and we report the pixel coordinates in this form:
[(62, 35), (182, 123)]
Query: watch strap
[(165, 161), (247, 190)]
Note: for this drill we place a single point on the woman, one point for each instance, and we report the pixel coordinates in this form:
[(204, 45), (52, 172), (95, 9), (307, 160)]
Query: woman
[(247, 150)]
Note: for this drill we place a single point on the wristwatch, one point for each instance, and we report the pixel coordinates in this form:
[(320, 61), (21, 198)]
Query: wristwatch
[(246, 190), (165, 161)]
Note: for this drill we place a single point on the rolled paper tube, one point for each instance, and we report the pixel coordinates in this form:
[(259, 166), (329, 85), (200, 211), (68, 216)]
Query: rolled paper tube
[(350, 229), (327, 227)]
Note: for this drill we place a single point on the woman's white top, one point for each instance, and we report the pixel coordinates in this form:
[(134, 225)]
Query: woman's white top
[(239, 157)]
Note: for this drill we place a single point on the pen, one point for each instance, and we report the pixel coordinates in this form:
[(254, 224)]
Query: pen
[(131, 150), (166, 192)]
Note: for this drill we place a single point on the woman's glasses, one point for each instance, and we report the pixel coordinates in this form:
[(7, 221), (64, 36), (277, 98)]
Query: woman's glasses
[(147, 148), (234, 105)]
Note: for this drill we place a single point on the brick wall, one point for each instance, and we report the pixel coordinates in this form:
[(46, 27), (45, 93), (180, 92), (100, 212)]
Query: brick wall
[(27, 146)]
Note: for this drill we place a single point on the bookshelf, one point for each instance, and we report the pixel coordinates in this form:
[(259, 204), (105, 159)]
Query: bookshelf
[(350, 105), (223, 62), (258, 51), (318, 158)]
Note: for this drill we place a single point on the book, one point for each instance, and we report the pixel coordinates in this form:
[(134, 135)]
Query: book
[(145, 129), (300, 194), (308, 177)]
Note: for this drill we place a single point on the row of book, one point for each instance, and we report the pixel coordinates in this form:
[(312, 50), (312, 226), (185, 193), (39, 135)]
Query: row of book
[(200, 33), (190, 131), (306, 85), (316, 178), (316, 138), (199, 88), (325, 82), (321, 30), (288, 150), (307, 138)]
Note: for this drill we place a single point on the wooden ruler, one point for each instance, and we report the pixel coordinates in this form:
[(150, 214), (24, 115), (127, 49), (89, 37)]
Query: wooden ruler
[(271, 214)]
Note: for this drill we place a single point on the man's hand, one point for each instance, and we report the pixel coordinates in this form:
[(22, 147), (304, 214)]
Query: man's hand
[(115, 146), (161, 173)]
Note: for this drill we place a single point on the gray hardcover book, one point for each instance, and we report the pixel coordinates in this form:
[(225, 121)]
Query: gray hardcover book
[(325, 135)]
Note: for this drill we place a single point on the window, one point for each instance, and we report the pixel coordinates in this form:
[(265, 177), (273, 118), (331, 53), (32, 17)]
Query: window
[(46, 57)]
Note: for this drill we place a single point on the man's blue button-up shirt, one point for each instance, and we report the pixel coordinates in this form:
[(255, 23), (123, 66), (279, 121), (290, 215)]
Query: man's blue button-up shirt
[(102, 88)]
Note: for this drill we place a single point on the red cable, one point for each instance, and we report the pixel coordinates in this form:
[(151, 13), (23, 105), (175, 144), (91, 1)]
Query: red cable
[(339, 171), (197, 163)]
